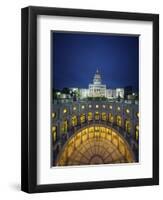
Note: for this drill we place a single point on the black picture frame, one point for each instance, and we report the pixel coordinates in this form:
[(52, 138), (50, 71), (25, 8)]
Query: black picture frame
[(29, 98)]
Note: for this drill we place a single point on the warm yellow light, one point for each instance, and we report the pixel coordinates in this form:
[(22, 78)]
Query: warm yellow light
[(89, 116), (53, 115), (64, 110), (138, 115), (97, 106), (54, 133), (137, 132), (53, 128), (74, 108), (74, 120), (127, 111), (82, 118)]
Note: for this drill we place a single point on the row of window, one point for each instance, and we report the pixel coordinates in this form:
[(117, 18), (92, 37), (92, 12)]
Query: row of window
[(97, 106), (82, 119)]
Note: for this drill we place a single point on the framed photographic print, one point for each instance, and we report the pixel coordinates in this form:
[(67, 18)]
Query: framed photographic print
[(90, 99)]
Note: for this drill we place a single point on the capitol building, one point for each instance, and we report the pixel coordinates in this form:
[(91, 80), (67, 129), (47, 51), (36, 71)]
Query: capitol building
[(97, 89)]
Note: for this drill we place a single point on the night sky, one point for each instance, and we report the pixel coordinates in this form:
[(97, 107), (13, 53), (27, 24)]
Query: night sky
[(76, 57)]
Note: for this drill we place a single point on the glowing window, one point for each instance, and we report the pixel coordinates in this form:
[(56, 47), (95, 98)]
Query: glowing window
[(137, 115), (64, 126), (118, 108), (103, 116), (137, 132), (90, 106), (97, 116), (111, 118), (97, 106), (54, 133), (53, 115), (127, 111), (103, 106), (110, 107), (83, 106), (127, 126), (90, 116), (82, 118), (74, 121), (64, 110), (74, 108), (119, 121)]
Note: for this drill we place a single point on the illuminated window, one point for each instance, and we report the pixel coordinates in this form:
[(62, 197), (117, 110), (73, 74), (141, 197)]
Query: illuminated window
[(103, 116), (74, 108), (118, 108), (53, 115), (54, 133), (64, 126), (97, 116), (127, 111), (137, 132), (74, 121), (82, 118), (127, 126), (103, 106), (111, 118), (90, 106), (119, 121), (64, 110), (97, 106), (90, 116), (110, 107), (137, 115), (97, 128), (83, 106)]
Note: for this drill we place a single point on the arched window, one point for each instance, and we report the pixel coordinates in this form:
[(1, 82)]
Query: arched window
[(53, 115), (64, 126), (82, 118), (64, 110), (97, 116), (90, 116), (137, 132), (119, 120), (74, 121), (54, 133), (103, 116), (127, 126), (111, 118)]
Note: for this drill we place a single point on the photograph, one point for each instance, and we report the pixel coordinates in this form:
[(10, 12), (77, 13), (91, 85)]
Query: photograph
[(90, 99), (94, 99)]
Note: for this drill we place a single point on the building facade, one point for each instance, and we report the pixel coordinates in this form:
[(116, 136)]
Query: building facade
[(76, 123)]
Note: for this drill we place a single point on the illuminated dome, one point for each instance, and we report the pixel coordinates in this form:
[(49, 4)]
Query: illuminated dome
[(95, 145), (97, 78)]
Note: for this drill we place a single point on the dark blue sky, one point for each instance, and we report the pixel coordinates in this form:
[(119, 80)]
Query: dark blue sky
[(76, 57)]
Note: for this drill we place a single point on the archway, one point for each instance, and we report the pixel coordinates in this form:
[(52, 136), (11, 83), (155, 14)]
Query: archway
[(95, 144)]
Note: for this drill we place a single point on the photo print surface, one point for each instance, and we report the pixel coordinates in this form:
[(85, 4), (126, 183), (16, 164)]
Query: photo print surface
[(94, 98)]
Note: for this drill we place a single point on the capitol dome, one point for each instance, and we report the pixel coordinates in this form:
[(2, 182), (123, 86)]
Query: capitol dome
[(97, 78)]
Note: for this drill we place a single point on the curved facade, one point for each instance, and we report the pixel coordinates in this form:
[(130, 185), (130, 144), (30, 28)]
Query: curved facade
[(110, 129)]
